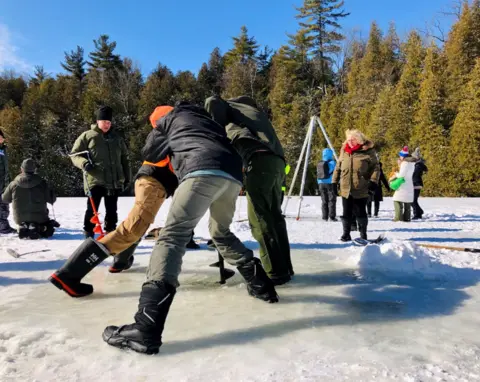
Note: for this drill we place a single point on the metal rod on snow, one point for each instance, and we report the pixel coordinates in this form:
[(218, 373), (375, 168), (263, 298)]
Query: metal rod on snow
[(305, 168), (297, 169), (319, 121)]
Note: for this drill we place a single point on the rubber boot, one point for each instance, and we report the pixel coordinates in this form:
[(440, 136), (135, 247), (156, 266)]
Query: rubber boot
[(123, 260), (145, 335), (258, 283), (362, 227), (347, 225), (83, 260)]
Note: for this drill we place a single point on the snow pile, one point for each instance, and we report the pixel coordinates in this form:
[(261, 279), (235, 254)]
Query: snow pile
[(404, 258)]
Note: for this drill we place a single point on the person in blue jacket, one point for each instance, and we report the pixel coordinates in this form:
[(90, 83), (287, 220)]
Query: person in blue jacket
[(327, 189)]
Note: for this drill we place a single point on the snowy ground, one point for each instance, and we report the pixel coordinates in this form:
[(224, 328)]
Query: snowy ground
[(391, 312)]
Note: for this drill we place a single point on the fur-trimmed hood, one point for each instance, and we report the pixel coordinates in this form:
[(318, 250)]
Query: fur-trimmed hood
[(368, 145)]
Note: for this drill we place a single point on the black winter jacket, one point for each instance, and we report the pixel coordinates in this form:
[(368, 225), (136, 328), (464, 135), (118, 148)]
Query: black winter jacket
[(193, 141), (420, 168), (163, 174)]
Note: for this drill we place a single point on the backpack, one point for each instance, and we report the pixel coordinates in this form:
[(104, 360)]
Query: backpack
[(323, 170)]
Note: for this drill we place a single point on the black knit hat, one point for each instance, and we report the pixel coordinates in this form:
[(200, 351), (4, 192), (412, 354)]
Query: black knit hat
[(104, 113)]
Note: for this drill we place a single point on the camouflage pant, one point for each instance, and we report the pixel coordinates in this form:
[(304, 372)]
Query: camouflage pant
[(4, 212)]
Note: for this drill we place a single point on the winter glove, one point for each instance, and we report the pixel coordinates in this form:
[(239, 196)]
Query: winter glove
[(88, 166)]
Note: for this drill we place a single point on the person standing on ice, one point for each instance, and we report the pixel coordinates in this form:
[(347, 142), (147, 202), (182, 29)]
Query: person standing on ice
[(328, 190), (420, 169), (357, 174), (107, 167), (254, 138), (402, 183), (210, 174), (4, 181), (29, 194), (376, 196)]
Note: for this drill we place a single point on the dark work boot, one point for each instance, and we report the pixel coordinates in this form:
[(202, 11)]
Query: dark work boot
[(83, 260), (347, 225), (258, 283), (362, 227), (123, 260), (145, 335)]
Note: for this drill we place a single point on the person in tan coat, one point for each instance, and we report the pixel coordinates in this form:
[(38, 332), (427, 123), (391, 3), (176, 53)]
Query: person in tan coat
[(356, 173)]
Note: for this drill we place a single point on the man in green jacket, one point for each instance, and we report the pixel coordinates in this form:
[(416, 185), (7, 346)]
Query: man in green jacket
[(30, 194), (106, 165), (4, 180), (254, 137)]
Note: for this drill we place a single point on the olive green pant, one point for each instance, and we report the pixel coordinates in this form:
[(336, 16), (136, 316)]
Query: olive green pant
[(402, 211), (265, 176)]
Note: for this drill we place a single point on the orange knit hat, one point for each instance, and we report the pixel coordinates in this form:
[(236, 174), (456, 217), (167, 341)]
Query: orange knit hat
[(159, 112)]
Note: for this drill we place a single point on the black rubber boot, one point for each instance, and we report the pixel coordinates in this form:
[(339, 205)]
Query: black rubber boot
[(362, 227), (347, 225), (83, 260), (258, 283), (145, 335), (123, 260)]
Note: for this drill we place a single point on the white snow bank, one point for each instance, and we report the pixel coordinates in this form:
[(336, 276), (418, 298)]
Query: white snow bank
[(403, 258)]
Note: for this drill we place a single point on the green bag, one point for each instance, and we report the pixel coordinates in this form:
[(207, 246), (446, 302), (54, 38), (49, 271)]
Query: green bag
[(396, 183)]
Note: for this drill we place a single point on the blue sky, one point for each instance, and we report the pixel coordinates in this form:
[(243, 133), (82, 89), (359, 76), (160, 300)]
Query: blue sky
[(179, 34)]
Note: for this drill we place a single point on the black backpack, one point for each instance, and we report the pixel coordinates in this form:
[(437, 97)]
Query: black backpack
[(323, 170)]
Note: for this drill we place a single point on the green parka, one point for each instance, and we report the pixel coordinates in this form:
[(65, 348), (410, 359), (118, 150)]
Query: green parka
[(109, 155), (29, 194), (353, 172)]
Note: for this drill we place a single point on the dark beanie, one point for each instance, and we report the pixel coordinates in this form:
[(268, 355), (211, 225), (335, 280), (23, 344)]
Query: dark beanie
[(104, 113), (28, 166)]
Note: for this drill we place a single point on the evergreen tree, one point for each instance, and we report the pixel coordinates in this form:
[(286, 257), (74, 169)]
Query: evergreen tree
[(244, 49), (321, 22), (39, 75), (12, 89), (465, 140), (103, 56), (75, 64)]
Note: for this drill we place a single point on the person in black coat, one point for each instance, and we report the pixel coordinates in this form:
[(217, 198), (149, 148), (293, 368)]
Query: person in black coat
[(377, 195), (420, 169)]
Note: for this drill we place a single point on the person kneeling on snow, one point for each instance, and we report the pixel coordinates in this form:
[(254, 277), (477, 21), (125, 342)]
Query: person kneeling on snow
[(30, 194), (210, 174), (154, 183), (402, 183)]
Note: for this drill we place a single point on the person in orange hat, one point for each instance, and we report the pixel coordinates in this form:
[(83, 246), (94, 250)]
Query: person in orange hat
[(154, 183)]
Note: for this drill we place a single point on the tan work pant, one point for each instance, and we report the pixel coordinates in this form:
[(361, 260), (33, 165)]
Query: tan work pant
[(149, 197)]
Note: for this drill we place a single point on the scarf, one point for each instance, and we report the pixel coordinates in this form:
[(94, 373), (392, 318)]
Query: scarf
[(350, 150)]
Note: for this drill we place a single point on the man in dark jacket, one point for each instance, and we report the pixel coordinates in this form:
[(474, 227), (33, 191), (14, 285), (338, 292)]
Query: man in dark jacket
[(4, 180), (254, 138), (420, 169), (30, 194), (106, 165), (210, 176)]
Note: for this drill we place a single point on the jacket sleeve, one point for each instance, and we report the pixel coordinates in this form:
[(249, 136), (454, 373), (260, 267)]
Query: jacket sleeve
[(125, 162), (156, 146), (338, 168), (50, 196), (218, 109), (383, 180), (374, 168), (79, 145), (403, 170), (7, 195)]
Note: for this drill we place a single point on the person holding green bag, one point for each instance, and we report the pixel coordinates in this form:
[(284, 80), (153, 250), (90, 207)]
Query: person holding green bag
[(402, 183)]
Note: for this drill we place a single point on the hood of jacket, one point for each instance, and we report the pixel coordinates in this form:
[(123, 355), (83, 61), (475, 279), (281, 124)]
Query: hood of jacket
[(28, 180), (327, 155)]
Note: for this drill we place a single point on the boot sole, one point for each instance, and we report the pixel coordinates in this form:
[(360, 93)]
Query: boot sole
[(55, 280), (267, 297), (123, 343)]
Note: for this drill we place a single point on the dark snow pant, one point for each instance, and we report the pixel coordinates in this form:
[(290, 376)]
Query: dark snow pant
[(354, 208), (192, 199), (329, 200), (402, 211), (265, 176), (4, 212), (417, 210), (111, 217), (369, 207)]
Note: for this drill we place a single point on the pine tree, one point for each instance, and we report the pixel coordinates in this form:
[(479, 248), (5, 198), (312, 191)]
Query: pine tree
[(321, 22), (244, 49), (464, 154), (430, 133), (74, 63), (103, 56), (39, 75)]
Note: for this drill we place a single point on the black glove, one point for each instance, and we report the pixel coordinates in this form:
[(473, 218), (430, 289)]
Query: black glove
[(372, 186), (88, 166)]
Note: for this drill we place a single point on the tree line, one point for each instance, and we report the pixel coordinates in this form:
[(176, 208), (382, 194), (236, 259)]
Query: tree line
[(398, 92)]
